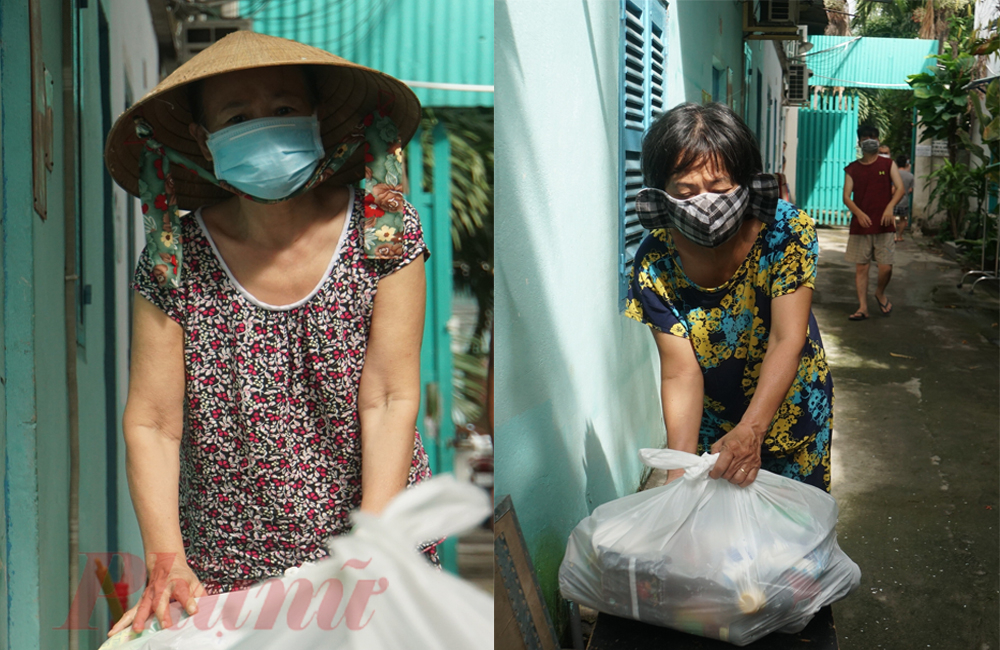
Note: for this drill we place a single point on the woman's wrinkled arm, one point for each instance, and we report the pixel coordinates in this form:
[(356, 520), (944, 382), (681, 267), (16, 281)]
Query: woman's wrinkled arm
[(153, 425), (740, 448), (389, 394), (682, 391), (789, 326)]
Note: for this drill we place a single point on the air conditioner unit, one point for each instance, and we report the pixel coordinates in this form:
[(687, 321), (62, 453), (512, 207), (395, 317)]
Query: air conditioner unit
[(780, 12), (798, 84), (194, 36)]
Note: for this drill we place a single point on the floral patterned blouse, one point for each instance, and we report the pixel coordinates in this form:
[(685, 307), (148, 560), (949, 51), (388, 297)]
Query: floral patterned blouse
[(728, 327), (270, 460)]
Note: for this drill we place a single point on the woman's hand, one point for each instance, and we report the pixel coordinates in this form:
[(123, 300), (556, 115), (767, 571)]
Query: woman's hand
[(739, 456), (170, 578)]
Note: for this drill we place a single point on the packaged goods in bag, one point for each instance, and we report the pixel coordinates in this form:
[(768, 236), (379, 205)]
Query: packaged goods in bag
[(710, 558), (374, 591)]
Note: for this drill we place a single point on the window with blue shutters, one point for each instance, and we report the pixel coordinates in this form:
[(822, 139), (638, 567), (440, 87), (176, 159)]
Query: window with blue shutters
[(643, 58)]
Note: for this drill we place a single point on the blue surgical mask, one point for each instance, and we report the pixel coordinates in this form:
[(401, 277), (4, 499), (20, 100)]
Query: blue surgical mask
[(268, 158)]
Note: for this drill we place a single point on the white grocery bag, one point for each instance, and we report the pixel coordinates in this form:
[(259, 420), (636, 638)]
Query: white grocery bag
[(374, 592), (710, 558)]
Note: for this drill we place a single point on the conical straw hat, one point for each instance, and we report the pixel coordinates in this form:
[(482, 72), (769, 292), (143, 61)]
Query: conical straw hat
[(347, 92)]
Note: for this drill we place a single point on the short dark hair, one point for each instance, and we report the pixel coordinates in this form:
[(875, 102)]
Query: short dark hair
[(867, 130), (902, 161), (196, 87), (690, 133)]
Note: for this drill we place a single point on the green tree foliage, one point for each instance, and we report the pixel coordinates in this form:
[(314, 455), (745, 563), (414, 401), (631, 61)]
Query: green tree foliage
[(892, 19), (888, 109), (954, 184), (942, 104), (945, 106), (981, 227)]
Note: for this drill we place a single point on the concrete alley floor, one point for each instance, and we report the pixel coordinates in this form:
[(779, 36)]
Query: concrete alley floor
[(915, 451)]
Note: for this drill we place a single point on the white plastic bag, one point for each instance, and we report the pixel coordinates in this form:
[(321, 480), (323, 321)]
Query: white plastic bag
[(709, 558), (374, 591)]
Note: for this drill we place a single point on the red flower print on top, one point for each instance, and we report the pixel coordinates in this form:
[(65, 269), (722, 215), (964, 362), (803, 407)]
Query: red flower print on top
[(271, 451)]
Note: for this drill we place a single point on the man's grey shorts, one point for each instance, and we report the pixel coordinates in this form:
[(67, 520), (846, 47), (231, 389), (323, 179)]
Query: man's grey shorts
[(861, 248)]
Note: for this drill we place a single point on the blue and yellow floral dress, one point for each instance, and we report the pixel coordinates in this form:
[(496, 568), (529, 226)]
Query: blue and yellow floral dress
[(728, 326)]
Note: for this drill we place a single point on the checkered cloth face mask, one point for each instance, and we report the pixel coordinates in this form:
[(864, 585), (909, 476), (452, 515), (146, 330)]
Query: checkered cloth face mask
[(709, 219)]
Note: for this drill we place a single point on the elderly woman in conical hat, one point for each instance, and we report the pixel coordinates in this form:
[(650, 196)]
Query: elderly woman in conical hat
[(274, 383)]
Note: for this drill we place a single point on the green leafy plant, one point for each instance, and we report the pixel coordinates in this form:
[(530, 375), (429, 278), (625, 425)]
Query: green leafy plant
[(468, 387), (945, 107), (982, 224), (954, 185), (892, 19), (941, 102)]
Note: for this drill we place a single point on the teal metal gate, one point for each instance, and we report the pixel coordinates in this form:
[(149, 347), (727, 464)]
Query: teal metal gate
[(434, 207), (827, 143)]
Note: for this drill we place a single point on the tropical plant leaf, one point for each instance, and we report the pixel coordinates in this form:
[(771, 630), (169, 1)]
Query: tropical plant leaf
[(977, 150), (991, 132)]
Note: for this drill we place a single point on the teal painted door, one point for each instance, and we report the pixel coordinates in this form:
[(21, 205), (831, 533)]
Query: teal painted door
[(433, 203), (434, 208), (827, 141)]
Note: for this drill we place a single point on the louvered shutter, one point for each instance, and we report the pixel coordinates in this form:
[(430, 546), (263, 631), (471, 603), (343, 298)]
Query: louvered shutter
[(643, 60)]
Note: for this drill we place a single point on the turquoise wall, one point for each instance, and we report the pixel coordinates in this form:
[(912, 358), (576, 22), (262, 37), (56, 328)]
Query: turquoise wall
[(34, 422), (20, 548), (702, 35), (576, 383), (444, 41)]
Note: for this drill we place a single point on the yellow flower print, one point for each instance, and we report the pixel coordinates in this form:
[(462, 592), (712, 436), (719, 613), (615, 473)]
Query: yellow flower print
[(714, 405), (399, 155), (652, 256), (385, 233), (633, 310), (678, 330), (168, 239), (341, 150)]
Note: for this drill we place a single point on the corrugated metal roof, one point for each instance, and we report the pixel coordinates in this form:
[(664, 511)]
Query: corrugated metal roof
[(438, 41), (867, 62)]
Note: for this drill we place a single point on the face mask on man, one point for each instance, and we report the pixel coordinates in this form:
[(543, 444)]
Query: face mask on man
[(869, 145), (269, 158)]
